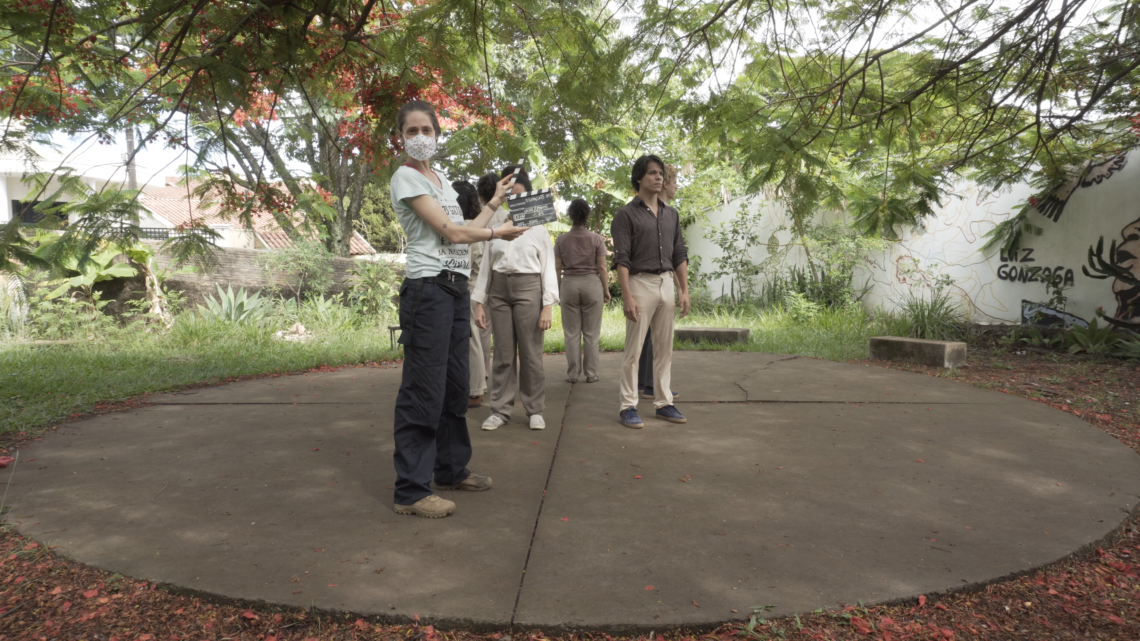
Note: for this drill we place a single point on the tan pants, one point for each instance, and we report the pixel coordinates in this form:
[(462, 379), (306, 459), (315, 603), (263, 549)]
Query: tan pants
[(515, 302), (655, 299), (480, 354), (583, 300)]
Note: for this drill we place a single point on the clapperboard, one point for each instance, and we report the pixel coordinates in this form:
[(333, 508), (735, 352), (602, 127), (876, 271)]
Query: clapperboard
[(532, 208)]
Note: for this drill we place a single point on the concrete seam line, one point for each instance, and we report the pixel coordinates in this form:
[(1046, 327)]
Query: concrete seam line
[(267, 403), (541, 502), (773, 402)]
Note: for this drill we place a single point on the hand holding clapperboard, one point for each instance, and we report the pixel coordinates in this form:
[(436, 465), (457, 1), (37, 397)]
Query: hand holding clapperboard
[(531, 208)]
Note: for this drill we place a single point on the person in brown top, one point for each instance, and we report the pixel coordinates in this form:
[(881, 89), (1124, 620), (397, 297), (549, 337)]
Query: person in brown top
[(583, 291), (645, 364), (648, 249)]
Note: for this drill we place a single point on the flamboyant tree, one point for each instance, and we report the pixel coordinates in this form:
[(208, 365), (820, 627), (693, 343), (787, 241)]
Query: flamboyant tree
[(870, 105), (98, 66), (305, 155), (879, 104), (287, 108)]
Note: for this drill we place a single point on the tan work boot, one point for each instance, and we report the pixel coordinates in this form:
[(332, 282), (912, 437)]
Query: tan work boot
[(473, 483), (475, 401), (430, 506)]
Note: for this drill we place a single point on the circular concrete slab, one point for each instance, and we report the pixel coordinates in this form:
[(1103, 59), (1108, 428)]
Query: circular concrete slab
[(797, 483)]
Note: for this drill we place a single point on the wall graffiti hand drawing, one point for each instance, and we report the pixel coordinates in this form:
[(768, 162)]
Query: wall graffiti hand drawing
[(1053, 206), (1128, 257)]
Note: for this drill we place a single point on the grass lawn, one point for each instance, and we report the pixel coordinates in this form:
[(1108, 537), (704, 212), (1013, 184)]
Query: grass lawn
[(41, 385)]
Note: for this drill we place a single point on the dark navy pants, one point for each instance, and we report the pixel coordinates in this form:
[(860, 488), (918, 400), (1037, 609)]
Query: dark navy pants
[(645, 364), (431, 407)]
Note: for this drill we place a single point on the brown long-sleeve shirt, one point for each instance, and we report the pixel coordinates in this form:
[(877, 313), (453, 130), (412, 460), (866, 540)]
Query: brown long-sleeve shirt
[(647, 243)]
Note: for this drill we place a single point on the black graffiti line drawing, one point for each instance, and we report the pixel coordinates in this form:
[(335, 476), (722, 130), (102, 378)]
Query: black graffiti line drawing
[(1041, 315), (1093, 174), (1126, 284)]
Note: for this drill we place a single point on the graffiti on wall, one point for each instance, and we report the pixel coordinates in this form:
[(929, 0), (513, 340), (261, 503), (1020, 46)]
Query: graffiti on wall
[(1015, 268), (1041, 314), (1128, 257), (998, 287), (1092, 174)]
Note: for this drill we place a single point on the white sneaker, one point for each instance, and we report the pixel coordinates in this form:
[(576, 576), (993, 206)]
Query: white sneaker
[(536, 422), (493, 422)]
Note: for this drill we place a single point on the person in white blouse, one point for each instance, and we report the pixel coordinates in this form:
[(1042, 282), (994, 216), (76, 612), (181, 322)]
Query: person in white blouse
[(518, 284)]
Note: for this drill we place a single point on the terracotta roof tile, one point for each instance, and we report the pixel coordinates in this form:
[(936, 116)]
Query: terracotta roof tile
[(172, 204)]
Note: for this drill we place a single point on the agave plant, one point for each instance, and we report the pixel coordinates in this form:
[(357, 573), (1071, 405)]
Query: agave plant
[(1092, 340), (1128, 347), (238, 308), (330, 312)]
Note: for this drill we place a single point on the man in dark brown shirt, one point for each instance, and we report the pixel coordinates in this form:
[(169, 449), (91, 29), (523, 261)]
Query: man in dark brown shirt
[(648, 248)]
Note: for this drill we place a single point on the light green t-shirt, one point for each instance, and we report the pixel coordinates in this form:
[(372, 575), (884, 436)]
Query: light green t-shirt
[(428, 252)]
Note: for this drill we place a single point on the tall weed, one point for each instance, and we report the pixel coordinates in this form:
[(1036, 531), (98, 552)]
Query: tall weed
[(934, 318)]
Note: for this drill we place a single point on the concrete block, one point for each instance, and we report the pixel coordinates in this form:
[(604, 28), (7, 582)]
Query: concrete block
[(726, 335), (946, 354)]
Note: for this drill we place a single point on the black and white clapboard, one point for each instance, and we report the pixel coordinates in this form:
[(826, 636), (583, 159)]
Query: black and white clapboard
[(532, 208)]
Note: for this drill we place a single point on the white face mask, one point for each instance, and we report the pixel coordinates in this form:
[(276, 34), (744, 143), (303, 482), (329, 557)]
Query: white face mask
[(420, 147)]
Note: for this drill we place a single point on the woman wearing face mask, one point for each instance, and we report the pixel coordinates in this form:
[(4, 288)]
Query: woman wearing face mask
[(517, 282), (430, 425)]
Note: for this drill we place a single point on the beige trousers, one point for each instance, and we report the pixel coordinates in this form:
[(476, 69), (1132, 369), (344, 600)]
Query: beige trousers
[(656, 301), (583, 300), (515, 302), (480, 354)]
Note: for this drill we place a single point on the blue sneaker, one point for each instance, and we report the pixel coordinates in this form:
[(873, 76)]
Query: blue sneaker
[(670, 413), (629, 418)]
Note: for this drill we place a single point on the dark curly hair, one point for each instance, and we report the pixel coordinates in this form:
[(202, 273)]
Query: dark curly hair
[(579, 211), (486, 187), (468, 199)]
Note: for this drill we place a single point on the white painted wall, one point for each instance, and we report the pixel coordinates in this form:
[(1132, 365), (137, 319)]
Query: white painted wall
[(989, 286), (5, 202)]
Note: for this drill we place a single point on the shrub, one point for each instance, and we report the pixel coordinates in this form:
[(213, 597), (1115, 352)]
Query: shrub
[(836, 251), (800, 308), (736, 240), (66, 317), (306, 266), (833, 253), (99, 267), (372, 288)]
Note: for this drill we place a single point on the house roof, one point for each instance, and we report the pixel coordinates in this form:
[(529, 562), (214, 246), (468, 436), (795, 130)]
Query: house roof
[(277, 239), (179, 205)]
